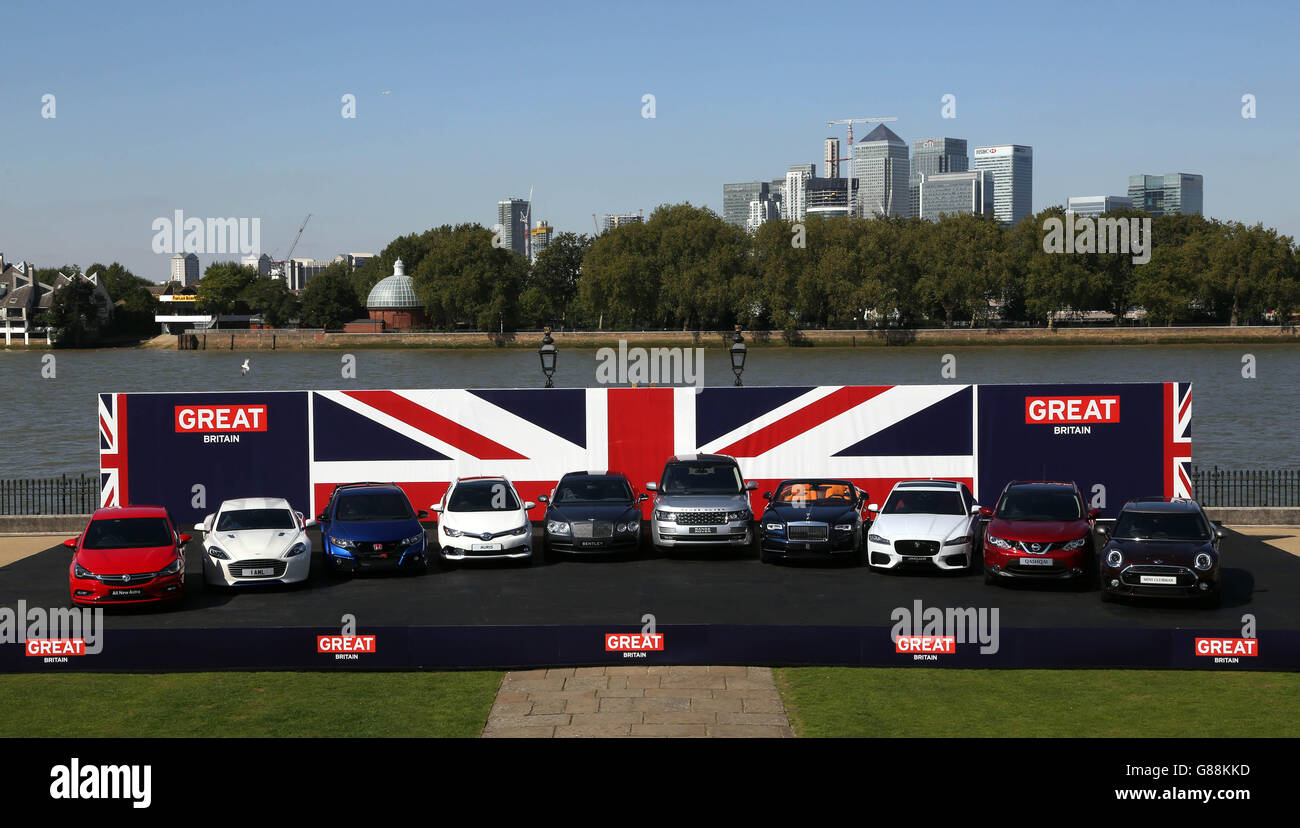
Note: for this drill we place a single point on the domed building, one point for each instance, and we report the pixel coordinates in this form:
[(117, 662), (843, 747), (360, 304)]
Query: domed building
[(392, 301)]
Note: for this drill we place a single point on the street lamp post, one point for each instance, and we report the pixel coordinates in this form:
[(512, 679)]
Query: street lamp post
[(738, 352), (547, 354)]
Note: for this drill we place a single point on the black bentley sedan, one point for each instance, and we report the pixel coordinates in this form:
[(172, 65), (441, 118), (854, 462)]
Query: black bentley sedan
[(1161, 547), (593, 512), (813, 518)]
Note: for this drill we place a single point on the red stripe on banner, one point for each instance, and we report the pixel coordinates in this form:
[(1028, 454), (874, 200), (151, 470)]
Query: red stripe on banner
[(1182, 412), (122, 458), (796, 423), (640, 434), (1170, 390), (434, 424)]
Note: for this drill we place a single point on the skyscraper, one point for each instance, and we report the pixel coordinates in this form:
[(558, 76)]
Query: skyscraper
[(1096, 205), (185, 269), (832, 160), (794, 204), (512, 216), (736, 198), (952, 193), (613, 220), (881, 165), (1167, 194), (1012, 169), (827, 196), (541, 237), (931, 156)]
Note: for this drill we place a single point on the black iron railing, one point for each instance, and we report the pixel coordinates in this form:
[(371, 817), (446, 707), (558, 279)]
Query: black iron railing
[(62, 495), (1246, 487)]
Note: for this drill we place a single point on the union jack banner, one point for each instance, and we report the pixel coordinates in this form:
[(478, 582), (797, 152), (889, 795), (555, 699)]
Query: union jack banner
[(190, 451)]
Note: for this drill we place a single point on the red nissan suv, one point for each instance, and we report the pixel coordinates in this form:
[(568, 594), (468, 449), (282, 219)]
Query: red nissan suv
[(1039, 530)]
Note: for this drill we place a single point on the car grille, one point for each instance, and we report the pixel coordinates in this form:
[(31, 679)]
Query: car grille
[(277, 568), (1043, 548), (134, 579), (366, 550), (701, 518), (916, 547), (807, 531), (1132, 575), (593, 529)]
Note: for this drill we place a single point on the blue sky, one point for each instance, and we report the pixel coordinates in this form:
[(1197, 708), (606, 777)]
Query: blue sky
[(234, 109)]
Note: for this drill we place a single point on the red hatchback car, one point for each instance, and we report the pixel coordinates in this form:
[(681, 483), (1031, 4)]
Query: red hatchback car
[(130, 555), (1039, 530)]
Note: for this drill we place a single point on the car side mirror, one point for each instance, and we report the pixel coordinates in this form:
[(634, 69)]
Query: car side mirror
[(421, 515), (1093, 514), (307, 524), (186, 538), (652, 487), (641, 498), (1219, 534), (528, 504), (437, 507), (767, 495), (543, 498), (873, 507), (986, 511), (750, 486), (974, 508), (320, 518), (71, 543), (1101, 530), (199, 527)]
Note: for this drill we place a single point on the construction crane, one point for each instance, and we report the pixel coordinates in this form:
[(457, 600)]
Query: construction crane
[(289, 256), (595, 226), (851, 122)]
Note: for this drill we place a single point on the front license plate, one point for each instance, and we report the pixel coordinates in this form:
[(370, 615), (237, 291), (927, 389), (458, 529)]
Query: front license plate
[(915, 559), (485, 547), (1037, 562), (127, 593), (258, 573), (588, 544), (1158, 579), (703, 530)]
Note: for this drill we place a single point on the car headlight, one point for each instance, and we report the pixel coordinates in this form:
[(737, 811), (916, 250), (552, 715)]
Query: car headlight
[(343, 544), (451, 533), (294, 551), (217, 554), (958, 541), (661, 515), (1204, 560), (878, 539), (173, 567), (743, 514), (1114, 558), (522, 530), (631, 526), (412, 539), (1075, 544), (843, 527), (774, 527), (1000, 543), (558, 527), (83, 573)]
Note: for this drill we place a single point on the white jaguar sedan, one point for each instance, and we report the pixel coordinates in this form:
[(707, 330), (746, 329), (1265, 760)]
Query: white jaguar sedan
[(255, 540), (925, 524)]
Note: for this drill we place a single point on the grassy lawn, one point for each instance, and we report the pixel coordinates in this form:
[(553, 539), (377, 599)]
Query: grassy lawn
[(847, 701), (247, 704)]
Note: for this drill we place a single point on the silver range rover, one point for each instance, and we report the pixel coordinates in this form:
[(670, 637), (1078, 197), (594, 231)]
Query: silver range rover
[(701, 501)]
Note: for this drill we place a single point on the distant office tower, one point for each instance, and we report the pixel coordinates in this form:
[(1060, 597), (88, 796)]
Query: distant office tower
[(832, 160), (1012, 169), (619, 219), (952, 193), (931, 156), (761, 210), (827, 196), (541, 237), (298, 272), (794, 204), (512, 216), (353, 260), (185, 269), (736, 198), (881, 164), (262, 263), (1162, 195), (1096, 205)]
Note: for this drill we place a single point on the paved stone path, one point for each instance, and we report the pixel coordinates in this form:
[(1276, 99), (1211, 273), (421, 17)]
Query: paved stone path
[(638, 701)]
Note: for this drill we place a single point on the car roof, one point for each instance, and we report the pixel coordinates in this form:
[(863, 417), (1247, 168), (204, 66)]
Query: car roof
[(815, 480), (1164, 505), (619, 475), (109, 512), (481, 478), (379, 486), (1042, 485), (256, 503), (929, 485), (702, 458)]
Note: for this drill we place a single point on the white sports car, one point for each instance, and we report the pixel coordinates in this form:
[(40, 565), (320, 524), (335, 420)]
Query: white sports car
[(483, 518), (255, 540), (927, 524)]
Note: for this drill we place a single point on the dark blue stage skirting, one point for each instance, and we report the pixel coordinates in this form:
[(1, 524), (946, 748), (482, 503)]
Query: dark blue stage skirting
[(468, 647)]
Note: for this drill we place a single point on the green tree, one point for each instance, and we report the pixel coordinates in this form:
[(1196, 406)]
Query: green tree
[(273, 299), (222, 286), (619, 285), (329, 300), (465, 280), (551, 286), (75, 316)]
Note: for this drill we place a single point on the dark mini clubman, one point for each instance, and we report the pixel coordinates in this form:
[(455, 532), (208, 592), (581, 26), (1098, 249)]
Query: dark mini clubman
[(812, 518), (1161, 547), (593, 512)]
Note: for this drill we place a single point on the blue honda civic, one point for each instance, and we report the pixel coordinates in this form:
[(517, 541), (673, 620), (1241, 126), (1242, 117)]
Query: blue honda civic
[(369, 526)]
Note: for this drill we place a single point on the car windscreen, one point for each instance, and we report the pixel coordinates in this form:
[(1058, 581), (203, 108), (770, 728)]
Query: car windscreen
[(1185, 526), (815, 492), (921, 502), (1039, 504), (701, 479), (237, 520), (127, 533), (373, 506), (487, 496), (593, 490)]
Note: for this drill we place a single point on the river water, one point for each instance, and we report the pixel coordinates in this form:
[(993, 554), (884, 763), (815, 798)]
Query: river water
[(49, 424)]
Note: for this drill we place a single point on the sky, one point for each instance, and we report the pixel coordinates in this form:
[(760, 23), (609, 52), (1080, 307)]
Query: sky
[(235, 110)]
